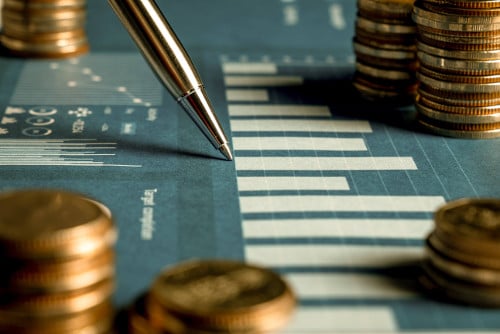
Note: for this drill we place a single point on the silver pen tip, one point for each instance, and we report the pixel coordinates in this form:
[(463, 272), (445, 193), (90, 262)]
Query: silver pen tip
[(226, 151)]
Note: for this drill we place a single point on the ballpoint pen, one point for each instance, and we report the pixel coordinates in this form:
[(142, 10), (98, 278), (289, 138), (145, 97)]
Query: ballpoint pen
[(169, 60)]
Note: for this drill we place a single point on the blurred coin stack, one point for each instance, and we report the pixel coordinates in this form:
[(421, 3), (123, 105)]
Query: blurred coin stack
[(459, 53), (463, 262), (213, 296), (44, 28), (385, 51), (57, 258)]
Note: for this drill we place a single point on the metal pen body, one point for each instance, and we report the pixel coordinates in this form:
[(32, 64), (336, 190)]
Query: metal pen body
[(169, 60)]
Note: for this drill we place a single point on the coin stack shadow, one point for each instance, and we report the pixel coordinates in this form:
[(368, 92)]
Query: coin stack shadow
[(58, 272), (213, 296), (463, 262), (44, 28), (384, 45), (459, 53)]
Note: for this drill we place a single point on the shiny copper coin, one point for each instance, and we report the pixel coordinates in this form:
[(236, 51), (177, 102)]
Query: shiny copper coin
[(36, 5), (57, 304), (40, 16), (38, 223), (44, 27), (68, 323), (221, 295), (58, 276), (51, 37)]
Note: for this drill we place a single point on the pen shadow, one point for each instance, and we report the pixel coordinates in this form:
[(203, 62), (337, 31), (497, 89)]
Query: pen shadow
[(165, 150)]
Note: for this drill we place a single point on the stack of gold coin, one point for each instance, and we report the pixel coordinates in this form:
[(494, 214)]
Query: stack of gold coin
[(213, 296), (463, 262), (459, 53), (57, 257), (44, 28), (385, 51)]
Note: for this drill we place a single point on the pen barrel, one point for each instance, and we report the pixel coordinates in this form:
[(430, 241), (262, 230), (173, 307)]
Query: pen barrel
[(159, 44)]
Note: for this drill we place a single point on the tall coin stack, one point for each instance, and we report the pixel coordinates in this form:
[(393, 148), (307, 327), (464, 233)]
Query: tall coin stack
[(57, 257), (463, 263), (459, 53), (385, 51), (44, 28), (213, 296)]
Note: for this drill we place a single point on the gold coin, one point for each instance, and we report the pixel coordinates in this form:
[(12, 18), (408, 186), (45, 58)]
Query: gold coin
[(494, 11), (464, 118), (447, 131), (385, 28), (460, 291), (386, 9), (491, 112), (222, 295), (460, 253), (474, 4), (40, 223), (457, 100), (462, 271), (492, 88), (460, 66), (407, 55), (465, 19), (476, 219)]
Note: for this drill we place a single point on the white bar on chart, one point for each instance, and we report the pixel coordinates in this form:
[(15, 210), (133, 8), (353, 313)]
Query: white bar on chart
[(313, 255), (353, 320), (298, 143), (249, 68), (301, 125), (325, 163), (279, 110), (252, 183), (338, 228), (347, 203), (346, 285), (263, 81), (250, 95)]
